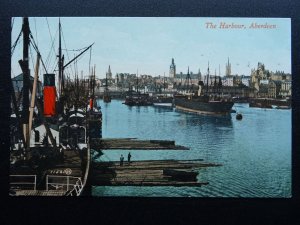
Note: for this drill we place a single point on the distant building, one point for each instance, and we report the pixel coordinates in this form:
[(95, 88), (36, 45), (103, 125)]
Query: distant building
[(274, 88), (228, 81), (259, 76), (199, 75), (263, 91), (109, 74), (228, 68), (172, 69), (264, 81), (17, 82), (286, 89), (245, 80)]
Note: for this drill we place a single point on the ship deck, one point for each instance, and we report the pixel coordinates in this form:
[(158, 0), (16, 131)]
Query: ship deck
[(50, 180), (40, 193)]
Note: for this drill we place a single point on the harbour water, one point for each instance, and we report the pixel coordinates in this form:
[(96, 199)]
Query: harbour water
[(255, 152)]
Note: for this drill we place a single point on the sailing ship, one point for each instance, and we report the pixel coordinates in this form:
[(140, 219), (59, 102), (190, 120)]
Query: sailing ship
[(50, 152), (203, 103), (162, 99), (136, 98)]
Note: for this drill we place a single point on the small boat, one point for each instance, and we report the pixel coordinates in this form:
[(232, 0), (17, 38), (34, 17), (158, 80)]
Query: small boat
[(176, 174), (260, 103)]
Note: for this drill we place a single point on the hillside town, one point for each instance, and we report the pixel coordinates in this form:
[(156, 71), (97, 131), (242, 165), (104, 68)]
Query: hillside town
[(260, 83)]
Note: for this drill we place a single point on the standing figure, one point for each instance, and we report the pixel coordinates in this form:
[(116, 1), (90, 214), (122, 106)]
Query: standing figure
[(121, 160), (129, 157)]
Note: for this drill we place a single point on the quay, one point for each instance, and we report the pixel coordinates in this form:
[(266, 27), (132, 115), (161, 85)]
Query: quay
[(134, 144), (268, 102), (147, 173)]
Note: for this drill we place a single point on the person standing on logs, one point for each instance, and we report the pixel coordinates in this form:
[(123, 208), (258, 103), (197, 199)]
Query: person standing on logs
[(121, 160), (129, 157)]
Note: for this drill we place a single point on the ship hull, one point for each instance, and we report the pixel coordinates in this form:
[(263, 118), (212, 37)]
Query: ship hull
[(197, 106)]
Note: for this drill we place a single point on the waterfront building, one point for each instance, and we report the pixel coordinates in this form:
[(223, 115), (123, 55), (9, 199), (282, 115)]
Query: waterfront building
[(245, 80), (259, 75), (280, 75), (264, 81), (270, 84), (274, 87), (172, 72), (232, 91), (286, 88), (228, 81), (180, 79), (263, 91)]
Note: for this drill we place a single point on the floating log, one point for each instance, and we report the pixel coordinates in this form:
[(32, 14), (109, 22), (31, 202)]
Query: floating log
[(134, 144), (180, 174), (149, 173)]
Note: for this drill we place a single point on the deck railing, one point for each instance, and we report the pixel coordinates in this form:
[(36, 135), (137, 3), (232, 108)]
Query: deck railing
[(72, 185), (27, 182)]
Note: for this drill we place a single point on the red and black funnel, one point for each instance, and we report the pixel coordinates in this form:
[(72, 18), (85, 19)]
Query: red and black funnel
[(49, 95)]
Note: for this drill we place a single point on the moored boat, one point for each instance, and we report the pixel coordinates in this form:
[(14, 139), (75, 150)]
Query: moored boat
[(51, 156), (163, 101), (202, 103), (137, 99)]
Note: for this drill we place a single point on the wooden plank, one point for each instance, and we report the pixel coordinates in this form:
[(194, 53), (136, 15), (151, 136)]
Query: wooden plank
[(133, 144), (145, 173)]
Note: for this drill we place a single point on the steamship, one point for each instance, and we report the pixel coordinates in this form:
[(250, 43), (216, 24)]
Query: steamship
[(203, 103), (50, 140)]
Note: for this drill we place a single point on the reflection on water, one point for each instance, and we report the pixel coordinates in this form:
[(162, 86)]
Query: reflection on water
[(255, 152)]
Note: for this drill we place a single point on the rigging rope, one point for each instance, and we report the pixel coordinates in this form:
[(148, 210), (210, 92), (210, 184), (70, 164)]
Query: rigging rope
[(31, 58), (52, 44), (16, 42), (73, 50), (63, 36), (37, 41), (90, 61), (37, 50)]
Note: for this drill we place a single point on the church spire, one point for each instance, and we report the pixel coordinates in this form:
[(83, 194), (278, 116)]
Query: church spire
[(172, 72)]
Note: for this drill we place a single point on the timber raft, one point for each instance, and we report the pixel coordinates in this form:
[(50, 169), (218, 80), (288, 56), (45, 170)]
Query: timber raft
[(147, 173), (134, 144)]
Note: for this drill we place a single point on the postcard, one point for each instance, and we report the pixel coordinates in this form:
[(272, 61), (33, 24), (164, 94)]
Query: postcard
[(151, 107)]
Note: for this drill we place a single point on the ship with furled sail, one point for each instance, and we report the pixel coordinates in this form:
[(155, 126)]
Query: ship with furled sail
[(50, 138)]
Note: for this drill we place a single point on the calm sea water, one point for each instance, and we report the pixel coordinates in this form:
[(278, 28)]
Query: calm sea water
[(255, 152)]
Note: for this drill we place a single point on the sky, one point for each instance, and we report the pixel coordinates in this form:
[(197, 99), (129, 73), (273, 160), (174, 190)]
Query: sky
[(146, 45)]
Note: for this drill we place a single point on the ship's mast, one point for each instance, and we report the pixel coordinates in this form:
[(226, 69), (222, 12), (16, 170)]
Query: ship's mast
[(25, 69), (188, 79), (137, 81), (164, 81), (59, 62), (106, 82), (94, 80), (207, 77)]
